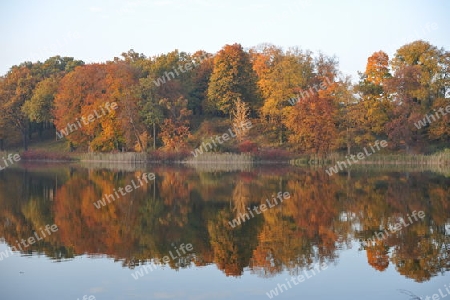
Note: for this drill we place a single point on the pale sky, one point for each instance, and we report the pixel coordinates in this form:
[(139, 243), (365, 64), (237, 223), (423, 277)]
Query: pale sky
[(99, 30)]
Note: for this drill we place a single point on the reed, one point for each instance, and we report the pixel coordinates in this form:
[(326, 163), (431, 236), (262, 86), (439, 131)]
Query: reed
[(222, 158), (437, 159), (305, 160), (121, 157)]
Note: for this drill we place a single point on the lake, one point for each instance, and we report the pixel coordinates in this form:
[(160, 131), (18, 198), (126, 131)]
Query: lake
[(73, 231)]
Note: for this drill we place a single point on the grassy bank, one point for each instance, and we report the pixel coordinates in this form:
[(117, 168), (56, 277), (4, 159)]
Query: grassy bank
[(134, 157), (221, 158), (438, 159), (50, 150), (123, 157)]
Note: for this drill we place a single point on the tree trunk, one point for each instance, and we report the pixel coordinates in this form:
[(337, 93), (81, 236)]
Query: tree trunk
[(281, 136), (40, 130), (154, 136), (136, 133), (348, 142), (25, 141)]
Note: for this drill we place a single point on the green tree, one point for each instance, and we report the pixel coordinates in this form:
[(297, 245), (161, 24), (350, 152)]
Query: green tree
[(39, 107), (151, 111), (200, 77)]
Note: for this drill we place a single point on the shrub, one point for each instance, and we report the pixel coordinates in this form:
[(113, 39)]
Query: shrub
[(169, 156), (274, 155), (248, 147), (43, 155)]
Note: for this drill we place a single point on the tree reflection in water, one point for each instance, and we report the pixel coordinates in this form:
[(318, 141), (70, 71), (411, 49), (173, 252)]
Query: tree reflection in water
[(323, 216)]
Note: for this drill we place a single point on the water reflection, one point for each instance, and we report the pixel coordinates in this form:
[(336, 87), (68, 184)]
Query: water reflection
[(323, 216)]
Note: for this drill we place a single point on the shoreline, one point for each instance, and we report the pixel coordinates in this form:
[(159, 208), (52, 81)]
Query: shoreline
[(440, 159)]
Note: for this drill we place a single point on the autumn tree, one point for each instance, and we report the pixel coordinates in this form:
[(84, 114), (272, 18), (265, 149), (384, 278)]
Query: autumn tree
[(122, 81), (406, 109), (429, 67), (77, 91), (136, 60), (313, 127), (370, 112), (421, 72), (232, 78), (440, 128), (15, 89), (175, 129), (84, 92), (281, 76), (39, 107), (377, 68), (132, 116), (170, 77), (348, 119), (165, 76)]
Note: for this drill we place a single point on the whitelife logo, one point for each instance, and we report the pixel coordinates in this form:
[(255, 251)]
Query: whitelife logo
[(187, 67), (166, 259), (207, 146), (86, 297), (437, 296), (281, 196), (360, 156), (427, 119), (395, 228), (90, 118), (31, 240), (300, 278), (128, 189), (304, 94), (11, 158)]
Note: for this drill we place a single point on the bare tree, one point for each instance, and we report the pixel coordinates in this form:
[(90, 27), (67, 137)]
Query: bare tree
[(240, 118)]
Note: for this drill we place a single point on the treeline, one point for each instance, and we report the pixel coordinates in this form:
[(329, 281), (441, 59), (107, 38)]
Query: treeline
[(298, 100)]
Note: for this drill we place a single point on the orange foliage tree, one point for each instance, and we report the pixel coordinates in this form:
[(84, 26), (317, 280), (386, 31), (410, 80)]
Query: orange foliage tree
[(312, 122), (86, 92)]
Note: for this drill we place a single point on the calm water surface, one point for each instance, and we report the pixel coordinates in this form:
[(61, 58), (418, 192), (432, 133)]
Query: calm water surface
[(172, 238)]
